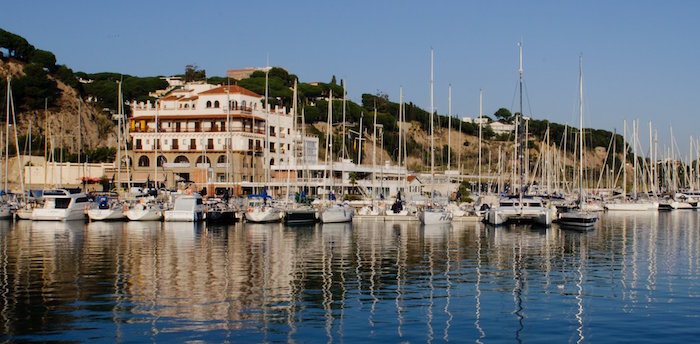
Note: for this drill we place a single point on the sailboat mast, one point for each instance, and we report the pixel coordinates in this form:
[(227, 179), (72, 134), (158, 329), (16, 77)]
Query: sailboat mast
[(156, 143), (624, 158), (119, 138), (580, 128), (634, 155), (228, 131), (432, 145), (345, 95), (520, 124), (449, 127), (7, 130), (479, 163)]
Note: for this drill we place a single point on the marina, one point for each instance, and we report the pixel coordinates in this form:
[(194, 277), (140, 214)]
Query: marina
[(349, 172), (633, 278)]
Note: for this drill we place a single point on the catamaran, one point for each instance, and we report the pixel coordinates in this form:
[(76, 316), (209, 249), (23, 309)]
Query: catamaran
[(520, 208)]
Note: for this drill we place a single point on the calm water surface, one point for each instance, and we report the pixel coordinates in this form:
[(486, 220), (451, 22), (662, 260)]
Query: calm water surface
[(632, 279)]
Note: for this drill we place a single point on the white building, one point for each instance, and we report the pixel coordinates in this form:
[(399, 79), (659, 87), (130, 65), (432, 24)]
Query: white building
[(203, 127)]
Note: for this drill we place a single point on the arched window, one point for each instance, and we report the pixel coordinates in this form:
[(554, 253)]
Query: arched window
[(161, 160), (187, 105), (144, 161), (181, 159), (208, 104), (221, 159), (272, 162), (216, 104), (124, 161), (243, 104), (202, 159)]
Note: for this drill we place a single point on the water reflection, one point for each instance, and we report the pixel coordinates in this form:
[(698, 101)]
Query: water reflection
[(378, 281)]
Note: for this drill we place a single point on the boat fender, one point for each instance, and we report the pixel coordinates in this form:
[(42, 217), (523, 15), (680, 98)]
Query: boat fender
[(126, 207), (249, 209)]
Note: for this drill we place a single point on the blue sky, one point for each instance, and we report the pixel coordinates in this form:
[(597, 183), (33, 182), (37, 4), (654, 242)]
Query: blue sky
[(640, 57)]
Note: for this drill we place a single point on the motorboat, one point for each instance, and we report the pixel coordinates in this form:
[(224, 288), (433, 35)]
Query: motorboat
[(62, 205), (186, 208)]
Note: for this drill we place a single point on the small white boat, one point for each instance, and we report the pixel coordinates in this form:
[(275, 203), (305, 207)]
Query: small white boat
[(632, 206), (106, 208), (145, 211), (337, 213), (578, 219), (435, 216), (61, 205), (261, 210), (263, 214), (186, 208)]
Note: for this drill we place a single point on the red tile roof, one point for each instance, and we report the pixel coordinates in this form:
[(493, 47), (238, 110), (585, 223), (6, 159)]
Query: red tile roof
[(231, 89)]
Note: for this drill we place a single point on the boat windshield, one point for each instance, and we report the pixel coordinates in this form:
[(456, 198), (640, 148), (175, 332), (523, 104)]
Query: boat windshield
[(59, 203)]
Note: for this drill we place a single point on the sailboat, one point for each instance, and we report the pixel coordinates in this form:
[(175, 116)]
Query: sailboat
[(5, 207), (148, 208), (336, 212), (578, 217), (260, 206), (635, 204), (520, 208), (298, 212), (398, 211), (433, 214)]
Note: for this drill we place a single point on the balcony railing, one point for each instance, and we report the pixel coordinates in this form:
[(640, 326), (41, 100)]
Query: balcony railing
[(200, 130)]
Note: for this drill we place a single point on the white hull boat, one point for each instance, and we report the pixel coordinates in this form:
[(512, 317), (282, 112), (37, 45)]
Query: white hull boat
[(632, 206), (112, 214), (681, 205), (144, 212), (435, 216), (188, 208), (24, 213), (578, 219), (337, 214), (61, 205), (263, 214)]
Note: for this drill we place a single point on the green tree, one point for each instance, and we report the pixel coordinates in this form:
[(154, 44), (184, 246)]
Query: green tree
[(31, 89), (192, 73), (45, 59), (504, 115), (16, 46)]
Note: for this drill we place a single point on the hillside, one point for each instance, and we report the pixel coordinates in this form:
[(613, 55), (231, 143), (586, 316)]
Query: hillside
[(96, 130), (37, 78)]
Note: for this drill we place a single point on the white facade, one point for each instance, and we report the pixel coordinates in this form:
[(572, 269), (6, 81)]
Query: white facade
[(203, 125)]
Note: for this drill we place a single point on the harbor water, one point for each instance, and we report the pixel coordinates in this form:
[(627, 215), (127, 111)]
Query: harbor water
[(634, 278)]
